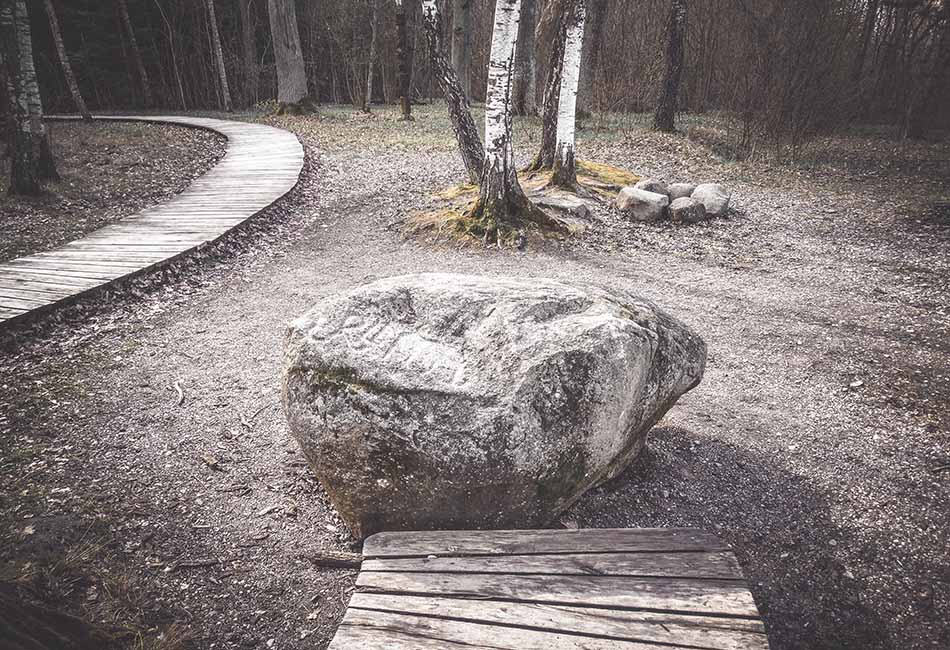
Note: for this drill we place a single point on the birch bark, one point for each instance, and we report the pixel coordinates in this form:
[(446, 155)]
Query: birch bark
[(466, 133), (502, 203), (565, 173), (291, 74), (552, 88), (45, 165), (24, 178), (64, 61)]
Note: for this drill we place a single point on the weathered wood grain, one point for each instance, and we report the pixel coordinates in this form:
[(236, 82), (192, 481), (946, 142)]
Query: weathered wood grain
[(665, 628), (519, 542), (260, 166)]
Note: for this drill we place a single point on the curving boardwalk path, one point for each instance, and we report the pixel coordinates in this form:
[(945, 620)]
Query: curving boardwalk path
[(262, 164)]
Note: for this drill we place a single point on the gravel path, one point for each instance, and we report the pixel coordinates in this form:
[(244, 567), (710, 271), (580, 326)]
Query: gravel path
[(817, 444)]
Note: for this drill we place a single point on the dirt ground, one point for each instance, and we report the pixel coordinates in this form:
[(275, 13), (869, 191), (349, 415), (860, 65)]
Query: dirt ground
[(817, 444), (108, 171)]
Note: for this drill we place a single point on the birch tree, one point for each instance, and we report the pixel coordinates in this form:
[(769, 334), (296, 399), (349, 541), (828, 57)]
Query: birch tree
[(502, 206), (466, 133), (45, 165), (664, 120), (404, 61), (553, 27), (24, 176), (136, 53), (565, 172), (462, 33), (291, 74), (219, 58), (64, 61)]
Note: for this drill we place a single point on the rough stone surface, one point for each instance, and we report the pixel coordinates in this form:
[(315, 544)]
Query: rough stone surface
[(687, 210), (653, 185), (680, 190), (714, 197), (641, 205), (440, 401)]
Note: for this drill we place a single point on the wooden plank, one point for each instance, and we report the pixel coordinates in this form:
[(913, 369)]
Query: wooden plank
[(362, 630), (59, 280), (35, 292), (707, 597), (651, 627), (716, 565), (521, 542), (7, 313), (21, 303)]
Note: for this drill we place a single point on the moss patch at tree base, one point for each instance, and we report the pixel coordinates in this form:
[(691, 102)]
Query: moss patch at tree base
[(462, 219)]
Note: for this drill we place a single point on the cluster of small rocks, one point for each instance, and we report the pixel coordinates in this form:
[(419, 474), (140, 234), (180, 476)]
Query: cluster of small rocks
[(653, 200)]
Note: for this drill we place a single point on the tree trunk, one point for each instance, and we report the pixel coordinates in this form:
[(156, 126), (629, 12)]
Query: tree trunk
[(404, 55), (219, 58), (565, 172), (524, 91), (46, 166), (665, 117), (291, 74), (870, 18), (64, 62), (466, 133), (252, 70), (371, 64), (502, 204), (462, 43), (169, 34), (24, 174), (593, 38), (136, 53), (552, 89)]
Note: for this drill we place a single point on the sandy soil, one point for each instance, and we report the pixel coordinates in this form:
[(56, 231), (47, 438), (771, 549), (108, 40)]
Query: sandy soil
[(817, 444), (108, 170)]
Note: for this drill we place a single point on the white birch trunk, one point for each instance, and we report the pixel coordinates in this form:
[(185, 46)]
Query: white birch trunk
[(564, 170), (21, 19), (502, 204), (24, 174)]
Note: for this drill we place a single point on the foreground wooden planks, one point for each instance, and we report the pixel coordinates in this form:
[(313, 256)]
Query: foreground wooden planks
[(261, 165), (551, 590)]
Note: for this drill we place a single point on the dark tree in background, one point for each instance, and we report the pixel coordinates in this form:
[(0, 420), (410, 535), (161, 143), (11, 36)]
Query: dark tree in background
[(466, 133), (404, 54), (291, 75), (219, 58), (675, 53), (64, 61), (462, 33), (524, 86), (136, 53)]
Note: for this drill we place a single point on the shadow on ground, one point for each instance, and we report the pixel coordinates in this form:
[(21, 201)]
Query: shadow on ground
[(777, 522)]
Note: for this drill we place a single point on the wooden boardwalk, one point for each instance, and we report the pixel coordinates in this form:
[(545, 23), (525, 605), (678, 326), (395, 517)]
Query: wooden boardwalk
[(550, 590), (261, 165)]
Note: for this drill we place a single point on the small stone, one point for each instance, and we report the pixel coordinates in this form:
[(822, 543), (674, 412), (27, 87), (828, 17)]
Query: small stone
[(680, 191), (714, 197), (687, 210), (653, 185), (641, 205)]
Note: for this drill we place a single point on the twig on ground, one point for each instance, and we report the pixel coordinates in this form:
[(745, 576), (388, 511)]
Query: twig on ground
[(336, 559), (181, 393), (191, 564)]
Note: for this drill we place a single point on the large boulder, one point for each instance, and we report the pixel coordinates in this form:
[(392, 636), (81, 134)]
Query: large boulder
[(687, 210), (714, 197), (449, 401), (641, 205), (680, 191)]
